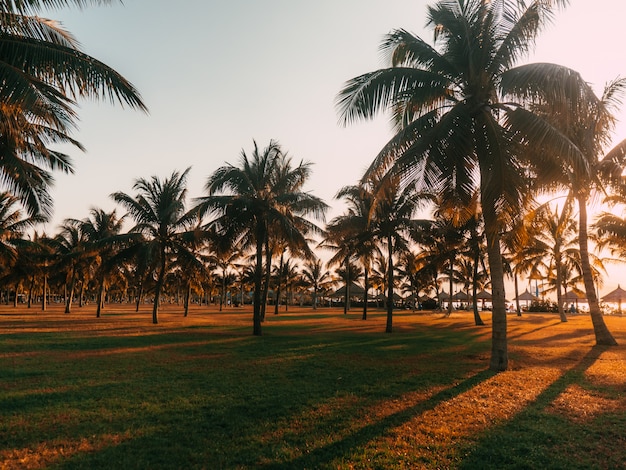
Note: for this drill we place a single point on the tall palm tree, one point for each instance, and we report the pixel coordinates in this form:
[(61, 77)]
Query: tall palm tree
[(349, 234), (461, 114), (589, 127), (264, 193), (42, 73), (390, 221), (158, 209)]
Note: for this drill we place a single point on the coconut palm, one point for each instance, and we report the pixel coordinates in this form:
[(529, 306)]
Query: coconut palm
[(103, 231), (158, 209), (263, 194), (315, 275), (461, 115), (42, 73), (71, 247), (349, 234), (589, 127), (390, 221)]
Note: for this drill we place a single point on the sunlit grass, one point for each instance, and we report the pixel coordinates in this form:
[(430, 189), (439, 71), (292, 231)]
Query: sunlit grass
[(318, 390)]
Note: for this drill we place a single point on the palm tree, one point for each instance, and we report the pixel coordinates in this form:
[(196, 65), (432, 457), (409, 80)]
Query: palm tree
[(71, 247), (314, 274), (110, 247), (589, 127), (42, 74), (461, 117), (390, 220), (264, 193), (159, 211), (349, 234)]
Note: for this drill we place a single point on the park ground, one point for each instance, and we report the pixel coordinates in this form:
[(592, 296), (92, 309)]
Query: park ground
[(319, 389)]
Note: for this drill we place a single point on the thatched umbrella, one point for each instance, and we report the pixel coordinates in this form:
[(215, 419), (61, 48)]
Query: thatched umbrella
[(572, 297), (355, 291), (616, 296), (483, 295), (527, 296)]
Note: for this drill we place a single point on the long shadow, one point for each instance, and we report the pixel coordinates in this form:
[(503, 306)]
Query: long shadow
[(322, 456), (532, 439)]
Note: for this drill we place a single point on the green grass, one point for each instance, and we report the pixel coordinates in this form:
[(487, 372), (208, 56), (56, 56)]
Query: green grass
[(207, 397)]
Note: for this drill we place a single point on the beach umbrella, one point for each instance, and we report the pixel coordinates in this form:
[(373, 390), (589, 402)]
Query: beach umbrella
[(527, 296), (462, 296), (572, 297), (616, 296), (355, 290), (483, 295)]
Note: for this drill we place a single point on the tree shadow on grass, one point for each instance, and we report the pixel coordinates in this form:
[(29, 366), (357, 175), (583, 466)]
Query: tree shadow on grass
[(323, 456), (539, 438)]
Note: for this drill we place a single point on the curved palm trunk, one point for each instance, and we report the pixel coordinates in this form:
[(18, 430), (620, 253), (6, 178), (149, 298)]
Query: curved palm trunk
[(499, 348), (389, 326), (17, 286), (602, 333)]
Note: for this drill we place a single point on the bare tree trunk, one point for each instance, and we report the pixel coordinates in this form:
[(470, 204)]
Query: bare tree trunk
[(389, 325), (70, 296), (366, 276), (187, 296), (602, 333), (499, 348), (258, 280)]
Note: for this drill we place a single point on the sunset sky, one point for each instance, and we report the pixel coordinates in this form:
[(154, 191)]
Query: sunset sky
[(216, 74)]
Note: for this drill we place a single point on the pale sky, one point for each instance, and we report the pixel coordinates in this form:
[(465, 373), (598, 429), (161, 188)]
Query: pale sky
[(216, 74)]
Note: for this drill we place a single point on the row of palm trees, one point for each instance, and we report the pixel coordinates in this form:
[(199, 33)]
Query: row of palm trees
[(475, 134)]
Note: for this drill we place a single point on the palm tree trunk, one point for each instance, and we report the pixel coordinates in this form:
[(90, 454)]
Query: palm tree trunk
[(559, 281), (477, 320), (451, 285), (158, 287), (139, 296), (17, 286), (45, 292), (366, 277), (268, 272), (280, 278), (602, 333), (499, 349), (389, 326), (517, 305), (100, 296), (70, 295), (187, 296), (258, 280)]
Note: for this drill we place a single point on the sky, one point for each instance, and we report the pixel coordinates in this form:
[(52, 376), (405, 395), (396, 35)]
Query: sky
[(218, 74)]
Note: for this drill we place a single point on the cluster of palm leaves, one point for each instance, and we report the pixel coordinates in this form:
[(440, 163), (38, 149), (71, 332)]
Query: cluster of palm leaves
[(43, 73)]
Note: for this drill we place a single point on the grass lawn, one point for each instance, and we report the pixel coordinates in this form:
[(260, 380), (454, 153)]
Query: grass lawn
[(319, 390)]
